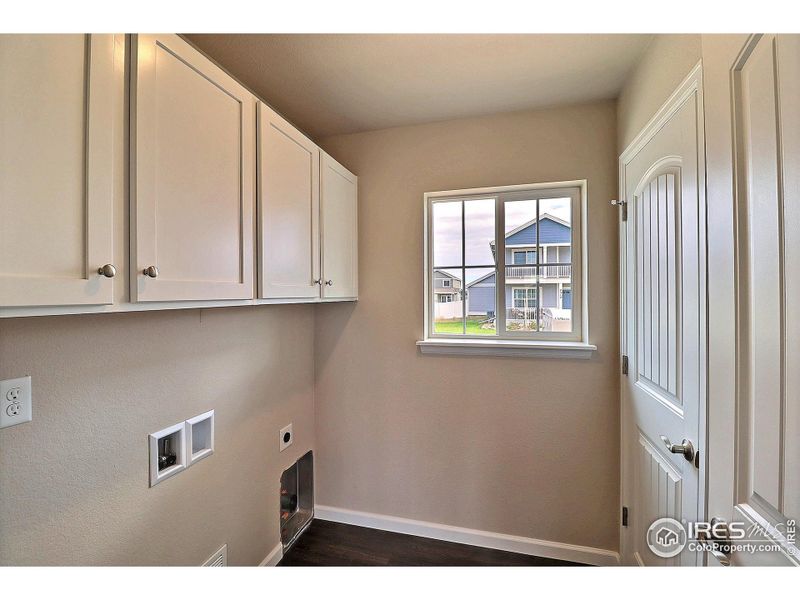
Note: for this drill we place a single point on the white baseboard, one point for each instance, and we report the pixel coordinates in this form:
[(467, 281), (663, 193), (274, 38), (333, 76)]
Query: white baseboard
[(473, 537), (274, 557)]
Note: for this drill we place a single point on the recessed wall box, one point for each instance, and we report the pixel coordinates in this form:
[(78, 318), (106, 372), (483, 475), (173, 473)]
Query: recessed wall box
[(167, 453), (199, 437), (297, 499)]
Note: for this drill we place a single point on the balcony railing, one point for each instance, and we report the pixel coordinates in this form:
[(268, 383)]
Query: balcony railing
[(529, 272)]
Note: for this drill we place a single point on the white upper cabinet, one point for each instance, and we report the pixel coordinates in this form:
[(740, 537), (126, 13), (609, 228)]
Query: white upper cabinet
[(192, 175), (56, 169), (339, 230), (288, 208)]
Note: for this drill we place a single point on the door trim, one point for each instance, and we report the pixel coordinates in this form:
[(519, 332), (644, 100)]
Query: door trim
[(691, 86)]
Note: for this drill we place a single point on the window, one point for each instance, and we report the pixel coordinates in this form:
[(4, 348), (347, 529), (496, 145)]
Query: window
[(524, 257), (516, 255), (447, 283)]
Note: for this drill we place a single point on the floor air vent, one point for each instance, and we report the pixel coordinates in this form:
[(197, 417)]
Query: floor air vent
[(218, 559), (297, 499)]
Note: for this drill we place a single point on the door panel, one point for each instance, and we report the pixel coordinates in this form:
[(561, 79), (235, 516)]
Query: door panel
[(339, 209), (56, 112), (766, 82), (664, 304), (753, 125), (658, 264), (192, 175), (660, 496), (288, 210)]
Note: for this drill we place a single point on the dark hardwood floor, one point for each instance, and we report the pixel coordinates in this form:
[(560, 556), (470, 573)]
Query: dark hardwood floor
[(328, 544)]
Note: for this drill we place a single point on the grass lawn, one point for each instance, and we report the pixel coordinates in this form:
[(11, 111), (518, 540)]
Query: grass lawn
[(455, 326)]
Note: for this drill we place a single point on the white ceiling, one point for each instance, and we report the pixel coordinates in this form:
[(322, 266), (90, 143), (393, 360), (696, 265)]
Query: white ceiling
[(332, 84)]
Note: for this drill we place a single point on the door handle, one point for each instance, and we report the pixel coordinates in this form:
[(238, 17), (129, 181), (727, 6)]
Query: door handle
[(685, 447), (719, 543)]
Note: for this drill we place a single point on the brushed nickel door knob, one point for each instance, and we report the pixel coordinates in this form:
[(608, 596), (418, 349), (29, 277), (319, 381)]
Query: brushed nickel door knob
[(108, 270), (151, 271), (685, 447)]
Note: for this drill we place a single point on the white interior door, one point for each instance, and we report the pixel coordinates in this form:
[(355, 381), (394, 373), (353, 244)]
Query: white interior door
[(754, 416), (56, 169), (339, 209), (288, 202), (192, 176), (664, 308)]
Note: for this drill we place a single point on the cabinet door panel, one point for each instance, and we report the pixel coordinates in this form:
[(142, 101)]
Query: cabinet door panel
[(192, 176), (339, 209), (56, 196), (288, 210)]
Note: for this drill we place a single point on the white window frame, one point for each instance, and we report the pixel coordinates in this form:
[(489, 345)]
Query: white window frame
[(568, 344), (447, 283)]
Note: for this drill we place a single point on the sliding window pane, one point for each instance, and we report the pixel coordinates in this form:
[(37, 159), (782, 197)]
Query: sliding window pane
[(479, 232), (521, 308), (446, 217), (555, 274), (481, 298), (448, 302), (555, 227)]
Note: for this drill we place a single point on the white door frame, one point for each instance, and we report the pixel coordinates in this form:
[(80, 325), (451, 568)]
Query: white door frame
[(692, 85)]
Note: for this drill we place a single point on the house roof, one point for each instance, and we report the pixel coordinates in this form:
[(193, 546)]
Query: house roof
[(447, 274), (481, 278), (532, 221)]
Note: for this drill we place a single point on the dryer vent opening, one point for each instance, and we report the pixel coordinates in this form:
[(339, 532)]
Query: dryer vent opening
[(297, 498)]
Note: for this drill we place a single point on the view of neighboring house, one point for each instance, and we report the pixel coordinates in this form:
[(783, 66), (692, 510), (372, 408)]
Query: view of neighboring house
[(446, 286), (555, 283)]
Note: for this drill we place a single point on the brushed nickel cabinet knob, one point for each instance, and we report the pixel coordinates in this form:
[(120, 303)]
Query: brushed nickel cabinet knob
[(108, 270), (151, 271), (329, 282), (318, 282)]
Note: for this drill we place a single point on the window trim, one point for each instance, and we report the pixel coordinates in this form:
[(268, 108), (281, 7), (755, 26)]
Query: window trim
[(566, 343)]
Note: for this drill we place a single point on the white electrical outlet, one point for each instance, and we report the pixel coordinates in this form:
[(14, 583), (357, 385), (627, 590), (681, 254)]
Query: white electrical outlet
[(15, 401), (286, 437)]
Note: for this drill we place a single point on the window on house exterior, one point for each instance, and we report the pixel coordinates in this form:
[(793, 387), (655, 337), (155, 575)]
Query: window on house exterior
[(516, 255), (524, 257), (447, 283)]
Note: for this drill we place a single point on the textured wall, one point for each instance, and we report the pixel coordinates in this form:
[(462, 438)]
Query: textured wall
[(527, 447), (74, 482)]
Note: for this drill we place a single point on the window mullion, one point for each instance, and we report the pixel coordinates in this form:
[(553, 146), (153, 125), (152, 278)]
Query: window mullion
[(537, 313), (500, 267), (464, 267)]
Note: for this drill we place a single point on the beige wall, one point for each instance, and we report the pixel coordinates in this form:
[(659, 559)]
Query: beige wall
[(527, 447), (74, 482), (665, 63)]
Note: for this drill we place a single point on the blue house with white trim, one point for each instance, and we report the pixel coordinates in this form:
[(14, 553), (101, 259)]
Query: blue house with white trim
[(553, 237)]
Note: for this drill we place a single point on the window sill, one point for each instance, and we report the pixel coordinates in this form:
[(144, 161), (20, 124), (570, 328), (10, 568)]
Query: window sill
[(473, 347)]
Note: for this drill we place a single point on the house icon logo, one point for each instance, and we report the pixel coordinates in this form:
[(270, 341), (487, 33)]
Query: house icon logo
[(666, 537)]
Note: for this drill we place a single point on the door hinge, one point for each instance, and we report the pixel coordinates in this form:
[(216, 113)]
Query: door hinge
[(624, 365), (624, 206), (624, 516)]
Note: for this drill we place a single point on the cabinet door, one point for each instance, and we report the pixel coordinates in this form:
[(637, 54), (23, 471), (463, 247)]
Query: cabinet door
[(288, 182), (56, 161), (339, 209), (192, 175)]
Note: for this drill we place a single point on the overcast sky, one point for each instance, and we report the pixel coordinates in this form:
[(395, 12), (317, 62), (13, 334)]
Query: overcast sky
[(479, 225)]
